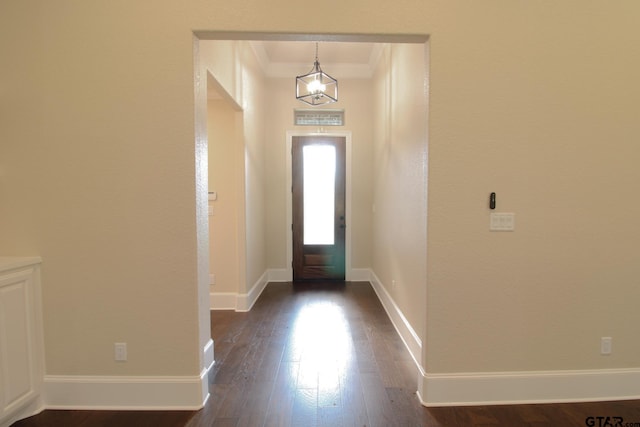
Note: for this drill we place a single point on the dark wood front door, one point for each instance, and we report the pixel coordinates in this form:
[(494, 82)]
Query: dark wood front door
[(318, 207)]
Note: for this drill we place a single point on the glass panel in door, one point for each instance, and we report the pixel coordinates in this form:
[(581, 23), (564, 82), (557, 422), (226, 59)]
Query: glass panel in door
[(319, 194)]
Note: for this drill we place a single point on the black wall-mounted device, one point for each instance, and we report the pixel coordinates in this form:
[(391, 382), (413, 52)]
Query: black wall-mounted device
[(492, 201)]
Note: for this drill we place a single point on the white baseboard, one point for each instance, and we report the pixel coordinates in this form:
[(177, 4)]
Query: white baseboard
[(125, 393), (411, 339), (236, 301), (246, 301), (504, 388)]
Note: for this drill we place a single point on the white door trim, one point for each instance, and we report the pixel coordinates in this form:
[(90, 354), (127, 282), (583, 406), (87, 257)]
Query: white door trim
[(289, 217)]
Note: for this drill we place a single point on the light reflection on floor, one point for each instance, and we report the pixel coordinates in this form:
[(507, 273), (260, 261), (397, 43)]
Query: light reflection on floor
[(322, 339)]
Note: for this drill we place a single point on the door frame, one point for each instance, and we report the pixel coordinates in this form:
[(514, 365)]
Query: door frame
[(347, 182)]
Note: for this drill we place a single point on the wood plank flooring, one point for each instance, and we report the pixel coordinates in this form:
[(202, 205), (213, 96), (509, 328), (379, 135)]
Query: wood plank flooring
[(323, 354)]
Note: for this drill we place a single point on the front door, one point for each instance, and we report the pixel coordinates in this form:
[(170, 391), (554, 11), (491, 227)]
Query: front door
[(318, 172)]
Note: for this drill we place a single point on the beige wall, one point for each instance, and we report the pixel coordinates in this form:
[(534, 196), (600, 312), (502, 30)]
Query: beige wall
[(254, 107), (400, 179), (98, 178), (538, 107), (226, 170), (355, 97), (535, 101)]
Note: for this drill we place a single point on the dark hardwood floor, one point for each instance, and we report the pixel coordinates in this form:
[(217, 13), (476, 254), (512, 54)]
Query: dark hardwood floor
[(323, 354)]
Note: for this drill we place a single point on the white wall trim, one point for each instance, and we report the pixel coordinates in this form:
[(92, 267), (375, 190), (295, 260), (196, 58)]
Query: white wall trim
[(236, 301), (130, 393), (409, 336), (246, 301), (503, 388)]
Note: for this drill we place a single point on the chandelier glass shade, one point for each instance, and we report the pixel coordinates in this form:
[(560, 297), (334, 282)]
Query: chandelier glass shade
[(316, 87)]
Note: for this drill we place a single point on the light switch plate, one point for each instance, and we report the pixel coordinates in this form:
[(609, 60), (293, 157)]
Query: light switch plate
[(120, 351), (605, 345), (502, 221)]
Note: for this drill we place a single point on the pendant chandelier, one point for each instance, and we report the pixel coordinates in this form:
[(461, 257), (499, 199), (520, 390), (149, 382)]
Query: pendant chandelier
[(316, 87)]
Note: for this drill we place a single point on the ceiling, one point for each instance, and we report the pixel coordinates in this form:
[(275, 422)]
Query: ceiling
[(288, 59), (338, 59)]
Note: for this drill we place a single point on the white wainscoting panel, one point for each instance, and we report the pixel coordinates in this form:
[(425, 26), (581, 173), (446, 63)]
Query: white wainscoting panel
[(21, 348)]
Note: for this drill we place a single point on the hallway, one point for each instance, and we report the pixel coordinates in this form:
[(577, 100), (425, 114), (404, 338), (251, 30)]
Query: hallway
[(313, 354)]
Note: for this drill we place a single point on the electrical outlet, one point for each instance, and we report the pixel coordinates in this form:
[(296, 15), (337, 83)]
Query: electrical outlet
[(605, 345), (212, 279), (120, 351), (393, 283)]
